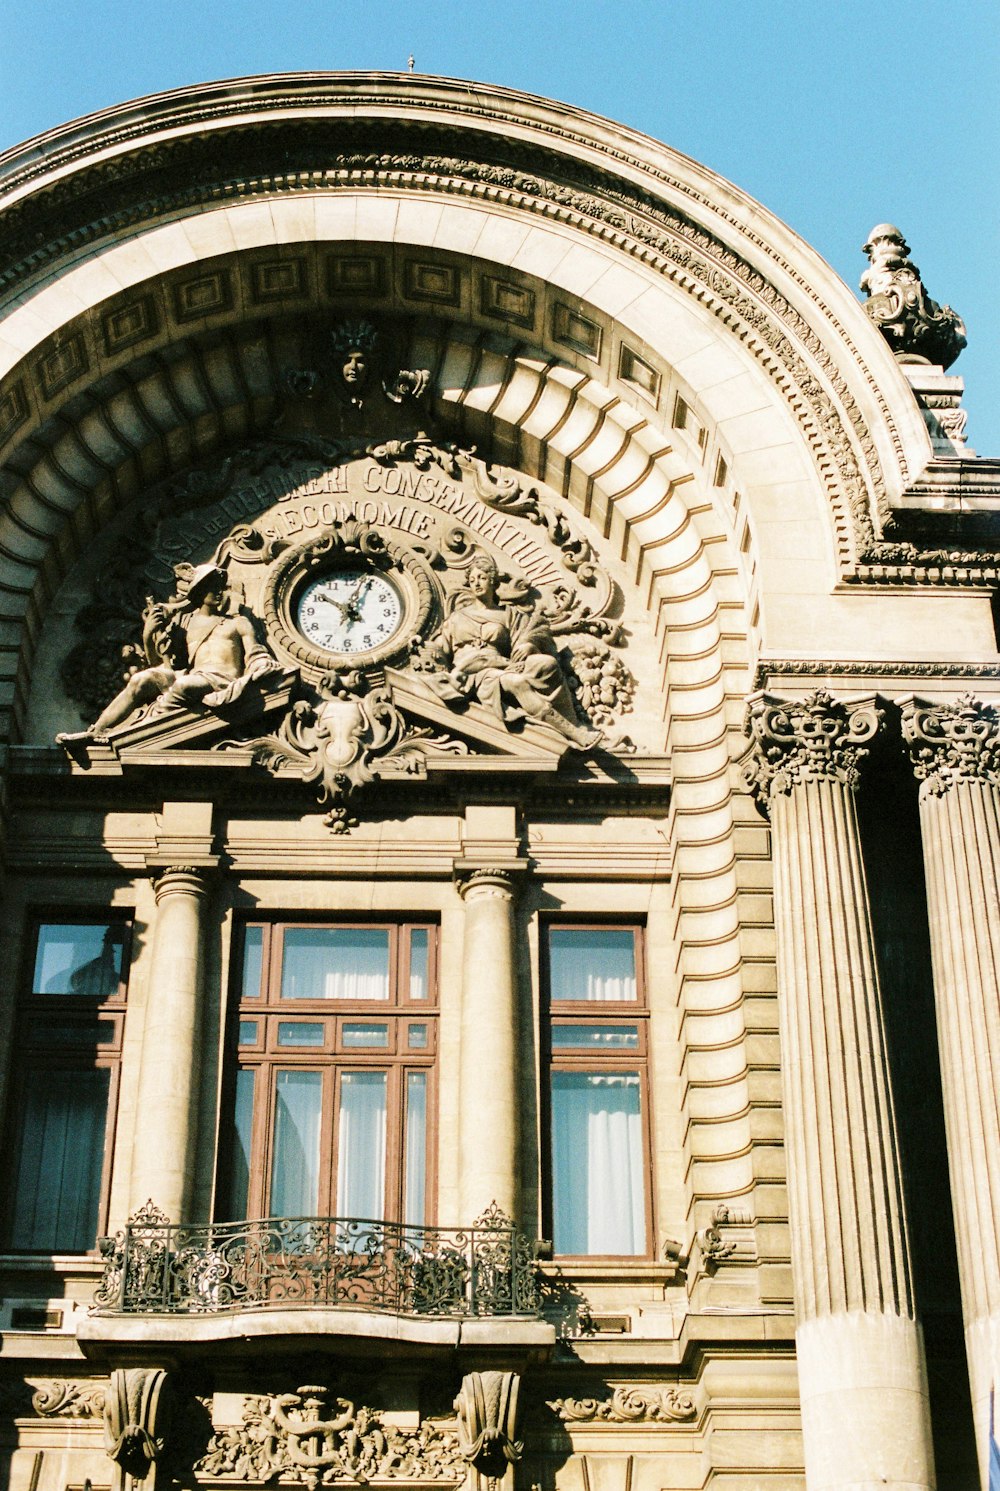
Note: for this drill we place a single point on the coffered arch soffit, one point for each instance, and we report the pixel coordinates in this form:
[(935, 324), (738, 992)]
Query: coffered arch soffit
[(663, 248)]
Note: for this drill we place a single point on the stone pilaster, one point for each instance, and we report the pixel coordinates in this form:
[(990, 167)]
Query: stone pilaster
[(489, 1132), (862, 1378), (955, 750), (168, 1081)]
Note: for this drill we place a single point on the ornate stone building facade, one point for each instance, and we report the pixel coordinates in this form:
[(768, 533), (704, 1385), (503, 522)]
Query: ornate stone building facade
[(500, 816)]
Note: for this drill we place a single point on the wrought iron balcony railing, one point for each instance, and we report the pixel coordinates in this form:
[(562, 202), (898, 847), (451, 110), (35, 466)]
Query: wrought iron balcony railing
[(155, 1267)]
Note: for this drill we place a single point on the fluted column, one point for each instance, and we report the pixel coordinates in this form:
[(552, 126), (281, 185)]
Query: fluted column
[(488, 1084), (955, 750), (163, 1158), (862, 1378)]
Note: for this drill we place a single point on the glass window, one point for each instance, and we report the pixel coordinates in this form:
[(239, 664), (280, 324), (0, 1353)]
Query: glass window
[(332, 1116), (597, 1094), (592, 964), (335, 963), (79, 958), (68, 1035)]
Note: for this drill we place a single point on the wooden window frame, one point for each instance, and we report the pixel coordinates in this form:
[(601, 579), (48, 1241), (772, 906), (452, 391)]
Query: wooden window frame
[(637, 1059), (332, 1060), (32, 1054)]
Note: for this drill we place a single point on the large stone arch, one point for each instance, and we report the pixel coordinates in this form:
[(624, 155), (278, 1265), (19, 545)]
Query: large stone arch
[(594, 310)]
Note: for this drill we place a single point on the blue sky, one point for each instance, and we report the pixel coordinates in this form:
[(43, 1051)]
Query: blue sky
[(836, 114)]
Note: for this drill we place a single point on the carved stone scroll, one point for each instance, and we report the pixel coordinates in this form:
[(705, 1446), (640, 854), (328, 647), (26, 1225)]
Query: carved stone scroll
[(819, 738), (628, 1405), (952, 743)]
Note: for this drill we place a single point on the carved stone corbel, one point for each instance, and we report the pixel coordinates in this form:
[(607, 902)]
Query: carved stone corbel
[(137, 1413), (487, 1423)]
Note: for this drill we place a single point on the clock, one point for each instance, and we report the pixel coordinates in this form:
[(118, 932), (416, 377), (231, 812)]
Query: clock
[(349, 610)]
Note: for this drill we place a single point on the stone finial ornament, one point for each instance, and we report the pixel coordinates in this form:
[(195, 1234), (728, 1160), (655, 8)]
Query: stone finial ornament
[(915, 326)]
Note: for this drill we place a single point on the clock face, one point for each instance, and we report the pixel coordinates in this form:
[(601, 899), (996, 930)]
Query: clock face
[(350, 611)]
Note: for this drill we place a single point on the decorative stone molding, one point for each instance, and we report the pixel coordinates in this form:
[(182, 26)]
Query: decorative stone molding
[(488, 881), (818, 738), (137, 1413), (728, 1239), (62, 1398), (486, 1409), (182, 880), (628, 1405), (310, 1436), (952, 743)]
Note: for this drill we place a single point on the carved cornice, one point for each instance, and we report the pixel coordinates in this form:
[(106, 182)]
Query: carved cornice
[(628, 1405), (952, 743), (780, 667), (815, 739)]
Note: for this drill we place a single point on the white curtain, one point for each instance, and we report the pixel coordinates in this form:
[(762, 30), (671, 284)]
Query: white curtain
[(295, 1165), (335, 963), (598, 1198), (593, 964), (361, 1147), (418, 963), (58, 1188), (239, 1167), (415, 1150)]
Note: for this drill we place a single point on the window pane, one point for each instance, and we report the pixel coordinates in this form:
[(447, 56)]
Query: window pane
[(58, 1188), (80, 1033), (239, 1172), (361, 1150), (415, 1150), (295, 1167), (300, 1033), (79, 960), (253, 962), (248, 1032), (598, 1202), (358, 1033), (335, 963), (418, 963), (417, 1038), (595, 1037), (596, 963)]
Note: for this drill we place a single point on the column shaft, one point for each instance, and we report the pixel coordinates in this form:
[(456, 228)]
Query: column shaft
[(168, 1083), (862, 1377), (955, 748), (488, 1090)]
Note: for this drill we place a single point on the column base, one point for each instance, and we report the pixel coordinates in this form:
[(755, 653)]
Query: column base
[(982, 1344), (865, 1414)]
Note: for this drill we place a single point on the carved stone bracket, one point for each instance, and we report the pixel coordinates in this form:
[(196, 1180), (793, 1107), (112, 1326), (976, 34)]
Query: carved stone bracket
[(728, 1239), (952, 743), (818, 738), (628, 1405), (137, 1412), (487, 1422)]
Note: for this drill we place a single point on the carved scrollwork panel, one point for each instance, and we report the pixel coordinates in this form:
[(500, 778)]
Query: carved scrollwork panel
[(628, 1405)]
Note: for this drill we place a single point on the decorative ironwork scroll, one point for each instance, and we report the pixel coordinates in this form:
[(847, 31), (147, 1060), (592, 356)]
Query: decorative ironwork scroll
[(153, 1266)]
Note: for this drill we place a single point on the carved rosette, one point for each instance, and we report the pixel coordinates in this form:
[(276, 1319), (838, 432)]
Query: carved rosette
[(815, 739), (952, 743)]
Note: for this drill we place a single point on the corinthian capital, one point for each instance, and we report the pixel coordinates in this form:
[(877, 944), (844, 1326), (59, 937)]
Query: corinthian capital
[(952, 743), (815, 739)]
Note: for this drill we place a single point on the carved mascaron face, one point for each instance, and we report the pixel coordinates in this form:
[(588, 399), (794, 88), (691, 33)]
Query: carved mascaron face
[(350, 611)]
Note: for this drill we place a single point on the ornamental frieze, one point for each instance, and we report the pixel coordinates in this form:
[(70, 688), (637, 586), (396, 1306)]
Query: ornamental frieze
[(313, 1437), (628, 1405), (376, 606)]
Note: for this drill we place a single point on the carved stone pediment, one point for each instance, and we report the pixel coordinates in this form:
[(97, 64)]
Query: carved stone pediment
[(342, 611)]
